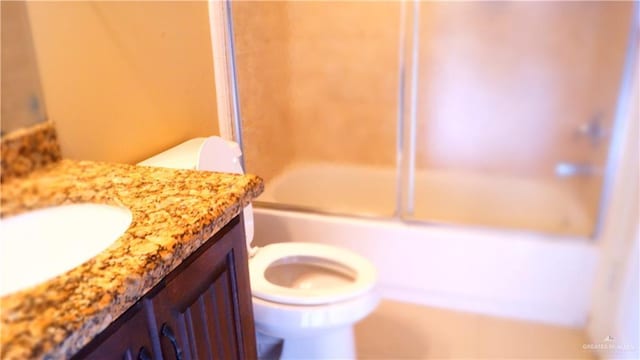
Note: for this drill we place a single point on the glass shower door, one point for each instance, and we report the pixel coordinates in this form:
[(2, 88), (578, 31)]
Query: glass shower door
[(514, 107), (496, 114), (318, 98)]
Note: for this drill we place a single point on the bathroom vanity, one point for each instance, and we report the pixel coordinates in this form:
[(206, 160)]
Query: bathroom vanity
[(174, 285), (201, 310)]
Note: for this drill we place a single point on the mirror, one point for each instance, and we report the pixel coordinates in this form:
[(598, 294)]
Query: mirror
[(21, 96)]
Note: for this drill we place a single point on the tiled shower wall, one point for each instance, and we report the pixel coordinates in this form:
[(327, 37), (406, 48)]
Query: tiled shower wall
[(263, 80), (318, 82)]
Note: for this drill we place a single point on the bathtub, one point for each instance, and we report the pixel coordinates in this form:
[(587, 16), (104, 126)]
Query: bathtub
[(501, 272)]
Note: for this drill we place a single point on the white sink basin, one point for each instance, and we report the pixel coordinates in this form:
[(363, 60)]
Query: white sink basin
[(44, 243)]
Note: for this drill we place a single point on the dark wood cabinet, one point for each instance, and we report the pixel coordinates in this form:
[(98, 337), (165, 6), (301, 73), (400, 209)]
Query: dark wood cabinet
[(201, 310), (129, 338)]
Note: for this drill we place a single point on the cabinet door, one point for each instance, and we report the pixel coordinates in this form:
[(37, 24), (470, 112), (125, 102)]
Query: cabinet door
[(129, 339), (204, 310)]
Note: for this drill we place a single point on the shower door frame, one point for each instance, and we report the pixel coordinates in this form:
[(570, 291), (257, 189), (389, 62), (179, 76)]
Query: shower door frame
[(407, 142)]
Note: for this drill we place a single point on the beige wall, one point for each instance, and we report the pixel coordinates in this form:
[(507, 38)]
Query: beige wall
[(125, 80)]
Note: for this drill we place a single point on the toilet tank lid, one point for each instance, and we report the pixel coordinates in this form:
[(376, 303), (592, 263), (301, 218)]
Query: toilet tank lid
[(183, 156)]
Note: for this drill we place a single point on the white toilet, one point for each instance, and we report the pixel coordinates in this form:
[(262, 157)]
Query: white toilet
[(308, 295)]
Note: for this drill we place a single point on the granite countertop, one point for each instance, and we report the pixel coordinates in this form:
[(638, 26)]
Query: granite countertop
[(174, 212)]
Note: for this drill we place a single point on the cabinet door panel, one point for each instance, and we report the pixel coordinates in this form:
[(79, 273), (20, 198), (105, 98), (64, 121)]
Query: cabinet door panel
[(223, 309), (204, 328), (202, 307), (129, 340)]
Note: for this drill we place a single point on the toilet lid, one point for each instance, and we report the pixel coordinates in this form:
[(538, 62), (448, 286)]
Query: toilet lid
[(219, 155), (310, 255)]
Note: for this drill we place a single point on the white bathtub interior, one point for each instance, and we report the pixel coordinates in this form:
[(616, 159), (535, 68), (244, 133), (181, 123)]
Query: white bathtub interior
[(442, 196)]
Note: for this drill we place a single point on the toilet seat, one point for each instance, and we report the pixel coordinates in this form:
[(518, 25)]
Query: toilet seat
[(361, 272)]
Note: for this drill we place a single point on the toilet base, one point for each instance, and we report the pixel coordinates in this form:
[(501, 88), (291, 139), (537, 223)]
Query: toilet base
[(311, 332), (335, 343)]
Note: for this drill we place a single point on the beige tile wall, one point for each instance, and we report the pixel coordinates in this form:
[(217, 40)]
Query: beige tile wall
[(343, 63), (125, 80), (317, 82), (263, 81)]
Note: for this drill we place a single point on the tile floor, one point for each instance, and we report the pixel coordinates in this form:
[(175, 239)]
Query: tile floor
[(406, 331)]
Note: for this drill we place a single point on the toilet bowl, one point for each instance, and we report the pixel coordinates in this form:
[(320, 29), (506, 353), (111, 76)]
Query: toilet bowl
[(307, 295)]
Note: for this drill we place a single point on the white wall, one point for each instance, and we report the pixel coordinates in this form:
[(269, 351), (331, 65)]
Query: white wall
[(615, 296)]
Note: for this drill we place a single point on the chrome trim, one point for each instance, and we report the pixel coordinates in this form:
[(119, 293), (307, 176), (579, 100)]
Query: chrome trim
[(623, 105), (235, 98), (400, 123), (413, 112), (564, 169)]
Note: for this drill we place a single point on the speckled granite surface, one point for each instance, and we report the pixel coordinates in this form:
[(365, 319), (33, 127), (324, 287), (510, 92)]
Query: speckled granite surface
[(27, 149), (174, 212)]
